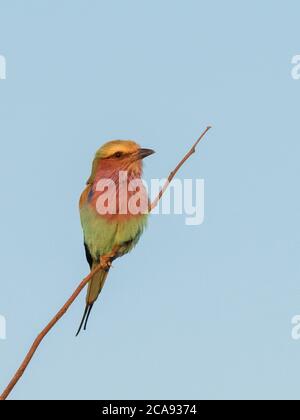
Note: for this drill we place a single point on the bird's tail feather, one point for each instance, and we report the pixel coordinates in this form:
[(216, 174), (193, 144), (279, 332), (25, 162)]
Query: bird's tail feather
[(94, 289)]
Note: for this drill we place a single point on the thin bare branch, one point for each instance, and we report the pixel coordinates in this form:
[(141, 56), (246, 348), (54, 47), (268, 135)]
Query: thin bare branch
[(103, 264), (43, 333), (174, 172)]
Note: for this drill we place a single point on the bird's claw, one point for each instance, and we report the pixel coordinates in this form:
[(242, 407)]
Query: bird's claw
[(106, 262)]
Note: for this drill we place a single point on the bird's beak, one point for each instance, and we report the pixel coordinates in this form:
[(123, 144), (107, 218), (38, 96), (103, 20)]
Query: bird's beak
[(143, 153)]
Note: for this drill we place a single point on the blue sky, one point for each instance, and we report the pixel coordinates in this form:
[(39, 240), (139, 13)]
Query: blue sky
[(199, 312)]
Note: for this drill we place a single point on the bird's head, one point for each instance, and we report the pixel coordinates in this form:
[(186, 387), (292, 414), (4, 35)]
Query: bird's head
[(119, 155)]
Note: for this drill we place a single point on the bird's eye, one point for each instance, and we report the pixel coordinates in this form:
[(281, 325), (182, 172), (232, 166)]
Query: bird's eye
[(118, 154)]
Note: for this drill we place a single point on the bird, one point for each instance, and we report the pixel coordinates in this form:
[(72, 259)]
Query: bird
[(113, 210)]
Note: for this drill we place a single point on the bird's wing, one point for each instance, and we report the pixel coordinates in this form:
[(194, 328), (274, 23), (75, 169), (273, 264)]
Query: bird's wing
[(88, 255)]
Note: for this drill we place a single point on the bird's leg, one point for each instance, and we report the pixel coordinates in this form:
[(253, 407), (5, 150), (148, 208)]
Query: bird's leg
[(106, 260)]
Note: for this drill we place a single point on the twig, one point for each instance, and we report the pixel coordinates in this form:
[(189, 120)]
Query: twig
[(174, 172), (45, 331), (84, 282)]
